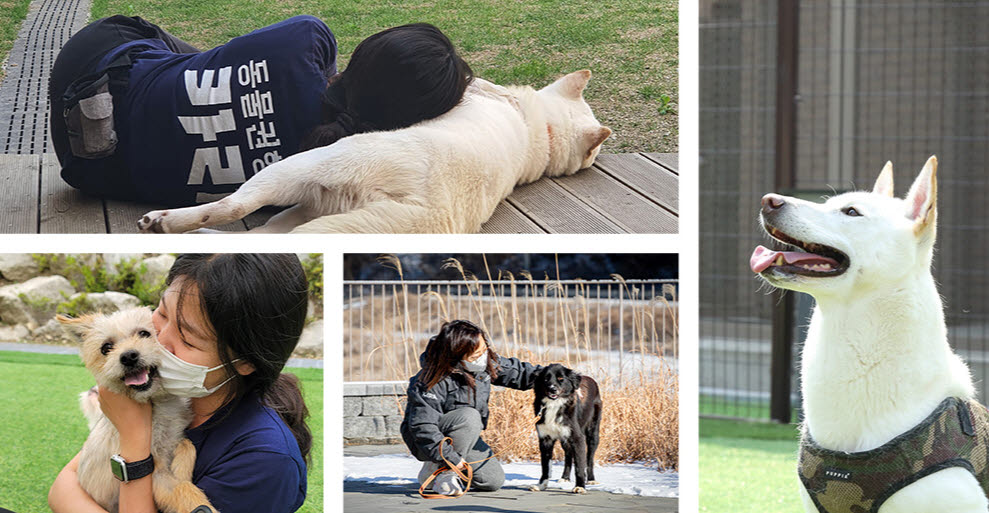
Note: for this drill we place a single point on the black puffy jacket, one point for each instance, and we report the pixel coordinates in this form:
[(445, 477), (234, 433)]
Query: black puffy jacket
[(422, 413)]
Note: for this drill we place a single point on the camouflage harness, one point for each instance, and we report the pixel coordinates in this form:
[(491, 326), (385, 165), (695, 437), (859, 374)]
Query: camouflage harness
[(954, 435)]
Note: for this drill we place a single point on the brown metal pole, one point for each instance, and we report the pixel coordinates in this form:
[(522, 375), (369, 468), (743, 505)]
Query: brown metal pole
[(781, 365)]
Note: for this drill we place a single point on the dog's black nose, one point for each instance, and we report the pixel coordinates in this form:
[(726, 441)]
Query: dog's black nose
[(130, 358), (771, 202)]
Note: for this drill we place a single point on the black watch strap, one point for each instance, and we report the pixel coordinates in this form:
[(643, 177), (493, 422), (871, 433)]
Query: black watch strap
[(129, 471)]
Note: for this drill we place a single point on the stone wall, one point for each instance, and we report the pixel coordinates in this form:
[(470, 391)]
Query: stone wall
[(372, 412)]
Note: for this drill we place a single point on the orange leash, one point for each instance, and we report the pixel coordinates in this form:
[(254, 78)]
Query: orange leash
[(468, 477)]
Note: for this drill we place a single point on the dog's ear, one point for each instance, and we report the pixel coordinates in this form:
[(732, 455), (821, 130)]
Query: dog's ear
[(574, 378), (594, 138), (922, 198), (572, 86), (79, 324), (884, 184)]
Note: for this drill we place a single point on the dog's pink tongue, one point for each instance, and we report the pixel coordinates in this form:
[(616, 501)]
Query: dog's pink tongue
[(136, 379), (763, 258)]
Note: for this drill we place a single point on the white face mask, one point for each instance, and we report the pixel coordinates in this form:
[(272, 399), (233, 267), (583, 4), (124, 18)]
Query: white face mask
[(478, 365), (183, 379)]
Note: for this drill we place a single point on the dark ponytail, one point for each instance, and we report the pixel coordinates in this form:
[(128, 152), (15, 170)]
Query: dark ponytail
[(256, 305), (395, 78)]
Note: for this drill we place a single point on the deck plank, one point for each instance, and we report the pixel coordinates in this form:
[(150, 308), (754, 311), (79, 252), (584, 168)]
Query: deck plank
[(621, 205), (639, 173), (508, 219), (558, 211), (19, 193), (670, 161), (65, 209), (621, 193)]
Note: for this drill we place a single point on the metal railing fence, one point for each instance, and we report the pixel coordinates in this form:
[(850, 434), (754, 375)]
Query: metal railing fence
[(611, 327), (870, 81)]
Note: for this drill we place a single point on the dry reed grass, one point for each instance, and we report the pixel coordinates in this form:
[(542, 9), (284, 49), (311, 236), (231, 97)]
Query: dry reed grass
[(384, 333), (640, 420)]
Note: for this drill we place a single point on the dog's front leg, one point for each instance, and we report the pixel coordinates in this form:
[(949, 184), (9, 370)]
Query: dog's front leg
[(545, 454), (286, 220), (578, 447), (567, 463), (384, 216)]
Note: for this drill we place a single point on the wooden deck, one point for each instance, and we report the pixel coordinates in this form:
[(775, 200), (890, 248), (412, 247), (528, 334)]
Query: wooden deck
[(621, 193)]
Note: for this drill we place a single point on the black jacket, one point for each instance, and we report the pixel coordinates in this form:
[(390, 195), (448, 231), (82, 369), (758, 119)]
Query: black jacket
[(422, 413)]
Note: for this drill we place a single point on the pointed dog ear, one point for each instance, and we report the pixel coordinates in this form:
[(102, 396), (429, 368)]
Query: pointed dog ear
[(572, 86), (884, 184), (922, 198), (594, 138)]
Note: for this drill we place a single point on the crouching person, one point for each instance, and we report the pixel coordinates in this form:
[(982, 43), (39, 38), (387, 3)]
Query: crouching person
[(448, 398)]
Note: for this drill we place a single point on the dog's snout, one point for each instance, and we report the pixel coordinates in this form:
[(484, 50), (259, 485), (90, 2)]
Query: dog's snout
[(772, 202), (130, 358)]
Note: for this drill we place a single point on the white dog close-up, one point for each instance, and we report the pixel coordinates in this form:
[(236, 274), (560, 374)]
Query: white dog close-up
[(445, 175), (890, 423)]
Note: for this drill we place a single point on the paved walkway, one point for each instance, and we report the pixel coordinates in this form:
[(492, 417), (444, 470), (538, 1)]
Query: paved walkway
[(365, 497)]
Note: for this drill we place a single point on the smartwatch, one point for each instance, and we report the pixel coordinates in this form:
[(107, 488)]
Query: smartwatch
[(125, 471)]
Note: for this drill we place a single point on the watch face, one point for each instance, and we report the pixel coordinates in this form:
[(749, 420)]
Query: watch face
[(119, 467)]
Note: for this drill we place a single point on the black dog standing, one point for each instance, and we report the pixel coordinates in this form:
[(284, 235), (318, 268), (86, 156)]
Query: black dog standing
[(569, 407)]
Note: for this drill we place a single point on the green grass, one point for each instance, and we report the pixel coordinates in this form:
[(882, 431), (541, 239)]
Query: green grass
[(721, 407), (43, 428), (630, 45), (748, 467), (12, 13)]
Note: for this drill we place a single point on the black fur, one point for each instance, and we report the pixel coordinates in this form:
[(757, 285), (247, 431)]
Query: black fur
[(581, 413)]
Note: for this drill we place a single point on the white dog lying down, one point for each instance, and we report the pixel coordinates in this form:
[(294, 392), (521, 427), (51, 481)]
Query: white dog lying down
[(445, 175)]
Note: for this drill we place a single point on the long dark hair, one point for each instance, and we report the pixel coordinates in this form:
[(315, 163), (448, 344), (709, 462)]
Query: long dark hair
[(255, 304), (444, 352), (395, 78)]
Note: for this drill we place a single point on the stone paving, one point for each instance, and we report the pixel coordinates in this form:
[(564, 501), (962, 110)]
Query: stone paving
[(367, 497)]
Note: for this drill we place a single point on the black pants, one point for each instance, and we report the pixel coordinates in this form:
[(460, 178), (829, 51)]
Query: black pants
[(107, 176)]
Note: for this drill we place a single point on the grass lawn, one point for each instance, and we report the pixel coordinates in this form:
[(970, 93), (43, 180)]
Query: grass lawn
[(43, 428), (12, 13), (630, 45), (748, 467)]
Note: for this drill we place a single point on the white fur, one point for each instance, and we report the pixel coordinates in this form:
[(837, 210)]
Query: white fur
[(876, 360), (445, 175), (549, 426)]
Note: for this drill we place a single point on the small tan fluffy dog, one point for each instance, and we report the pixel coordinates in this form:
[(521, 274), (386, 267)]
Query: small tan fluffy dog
[(122, 353)]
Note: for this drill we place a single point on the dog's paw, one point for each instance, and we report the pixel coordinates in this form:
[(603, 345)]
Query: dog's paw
[(152, 222), (563, 480), (579, 489), (538, 487), (593, 482)]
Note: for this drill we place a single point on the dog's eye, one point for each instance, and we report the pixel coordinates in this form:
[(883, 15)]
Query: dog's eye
[(106, 347), (144, 334), (851, 211), (560, 379)]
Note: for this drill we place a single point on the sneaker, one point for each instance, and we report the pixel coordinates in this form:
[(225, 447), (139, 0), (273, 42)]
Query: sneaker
[(448, 483)]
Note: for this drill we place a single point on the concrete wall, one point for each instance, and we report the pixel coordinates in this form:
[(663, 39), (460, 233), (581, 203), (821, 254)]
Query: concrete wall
[(372, 412)]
